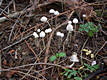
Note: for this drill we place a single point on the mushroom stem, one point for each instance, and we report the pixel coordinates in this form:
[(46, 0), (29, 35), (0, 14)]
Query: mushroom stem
[(48, 23), (67, 36), (43, 42), (75, 32), (72, 65)]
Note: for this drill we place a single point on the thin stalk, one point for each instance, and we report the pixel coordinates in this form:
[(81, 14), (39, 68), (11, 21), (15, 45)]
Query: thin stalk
[(67, 36), (75, 32), (72, 65), (43, 43), (49, 23), (82, 49)]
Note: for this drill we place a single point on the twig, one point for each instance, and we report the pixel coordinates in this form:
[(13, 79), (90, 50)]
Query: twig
[(32, 65), (101, 48), (83, 48), (7, 6), (0, 62), (16, 23), (16, 42), (28, 75), (95, 73), (32, 50)]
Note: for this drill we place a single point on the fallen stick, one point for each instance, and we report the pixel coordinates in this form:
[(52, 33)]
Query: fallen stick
[(16, 14)]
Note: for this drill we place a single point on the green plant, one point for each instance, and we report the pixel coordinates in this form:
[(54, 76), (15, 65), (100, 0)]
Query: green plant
[(89, 27), (80, 73), (57, 55), (71, 73), (91, 68)]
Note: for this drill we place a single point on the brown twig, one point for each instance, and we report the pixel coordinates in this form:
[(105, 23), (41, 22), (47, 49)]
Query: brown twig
[(32, 50), (12, 68), (101, 48)]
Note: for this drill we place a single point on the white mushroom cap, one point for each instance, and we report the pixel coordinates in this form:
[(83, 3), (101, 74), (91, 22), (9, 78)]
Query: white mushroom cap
[(62, 35), (93, 63), (43, 19), (74, 58), (42, 34), (58, 33), (35, 35), (51, 11), (75, 20), (69, 27), (48, 30), (56, 13), (84, 15), (38, 30), (69, 22)]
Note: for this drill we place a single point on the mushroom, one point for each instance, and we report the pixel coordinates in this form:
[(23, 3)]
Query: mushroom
[(35, 35), (56, 13), (93, 63), (45, 19), (48, 30), (51, 11), (84, 16), (61, 35), (75, 21), (38, 30), (42, 35), (73, 59), (69, 28)]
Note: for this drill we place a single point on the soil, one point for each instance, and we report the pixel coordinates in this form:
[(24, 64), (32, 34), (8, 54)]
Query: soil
[(24, 57)]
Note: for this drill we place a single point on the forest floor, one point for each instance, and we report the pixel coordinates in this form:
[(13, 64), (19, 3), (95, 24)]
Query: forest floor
[(29, 52)]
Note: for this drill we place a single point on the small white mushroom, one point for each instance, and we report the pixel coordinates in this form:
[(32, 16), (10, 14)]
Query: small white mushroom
[(69, 27), (93, 63), (52, 11), (35, 35), (75, 20), (69, 22), (42, 34), (58, 33), (62, 35), (73, 59), (84, 15), (38, 30), (48, 30), (43, 19), (56, 13)]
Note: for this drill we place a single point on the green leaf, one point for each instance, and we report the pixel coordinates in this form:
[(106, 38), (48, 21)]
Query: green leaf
[(52, 58), (66, 73), (74, 72), (96, 66), (61, 54), (90, 34), (91, 68), (80, 29), (69, 76), (86, 29), (77, 78)]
